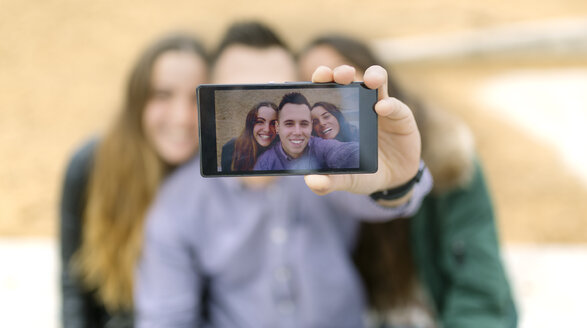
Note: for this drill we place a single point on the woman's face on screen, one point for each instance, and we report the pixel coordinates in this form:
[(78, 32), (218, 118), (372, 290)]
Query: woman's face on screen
[(170, 120), (264, 128), (324, 123)]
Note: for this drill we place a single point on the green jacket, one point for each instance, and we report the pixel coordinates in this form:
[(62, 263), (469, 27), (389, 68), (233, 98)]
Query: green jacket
[(456, 252)]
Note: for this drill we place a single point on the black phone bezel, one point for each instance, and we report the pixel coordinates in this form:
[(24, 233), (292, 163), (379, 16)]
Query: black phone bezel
[(207, 128)]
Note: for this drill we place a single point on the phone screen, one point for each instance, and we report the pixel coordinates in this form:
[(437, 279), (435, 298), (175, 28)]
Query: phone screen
[(287, 129)]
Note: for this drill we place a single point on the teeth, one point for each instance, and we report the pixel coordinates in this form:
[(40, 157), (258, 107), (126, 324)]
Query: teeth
[(326, 130), (296, 142), (263, 136)]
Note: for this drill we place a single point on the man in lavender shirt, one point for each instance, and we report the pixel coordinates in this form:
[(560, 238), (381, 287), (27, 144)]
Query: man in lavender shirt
[(267, 251), (297, 148)]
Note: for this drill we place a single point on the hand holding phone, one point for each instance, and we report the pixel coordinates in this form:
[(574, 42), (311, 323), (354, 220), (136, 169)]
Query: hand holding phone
[(399, 143)]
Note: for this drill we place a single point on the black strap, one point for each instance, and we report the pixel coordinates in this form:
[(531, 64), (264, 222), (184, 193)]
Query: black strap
[(400, 191)]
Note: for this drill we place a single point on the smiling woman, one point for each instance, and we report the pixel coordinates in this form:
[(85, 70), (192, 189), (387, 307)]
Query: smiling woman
[(110, 183), (329, 123), (169, 120), (240, 154)]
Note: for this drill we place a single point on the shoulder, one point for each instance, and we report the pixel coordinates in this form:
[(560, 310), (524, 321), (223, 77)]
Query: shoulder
[(229, 145), (226, 155), (80, 162), (448, 149), (177, 199), (182, 183), (332, 145), (268, 156), (319, 144)]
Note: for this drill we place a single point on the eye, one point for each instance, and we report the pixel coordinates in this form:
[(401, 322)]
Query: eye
[(304, 123)]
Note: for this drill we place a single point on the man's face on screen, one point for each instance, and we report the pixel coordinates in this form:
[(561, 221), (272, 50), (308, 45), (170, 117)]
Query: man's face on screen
[(294, 128)]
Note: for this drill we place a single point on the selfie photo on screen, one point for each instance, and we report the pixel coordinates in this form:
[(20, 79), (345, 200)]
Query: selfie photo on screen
[(283, 129)]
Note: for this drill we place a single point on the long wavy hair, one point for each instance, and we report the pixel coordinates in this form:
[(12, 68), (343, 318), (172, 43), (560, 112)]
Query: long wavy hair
[(125, 176), (246, 148), (347, 132)]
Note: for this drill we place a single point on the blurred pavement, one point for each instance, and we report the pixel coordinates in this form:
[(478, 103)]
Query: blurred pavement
[(549, 282)]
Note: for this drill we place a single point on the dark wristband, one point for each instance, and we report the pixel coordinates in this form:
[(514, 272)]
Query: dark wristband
[(400, 191)]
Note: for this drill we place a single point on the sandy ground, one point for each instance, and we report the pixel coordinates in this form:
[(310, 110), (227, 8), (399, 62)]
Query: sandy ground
[(544, 300), (63, 64)]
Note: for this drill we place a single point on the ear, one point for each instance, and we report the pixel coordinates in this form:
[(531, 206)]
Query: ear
[(277, 127)]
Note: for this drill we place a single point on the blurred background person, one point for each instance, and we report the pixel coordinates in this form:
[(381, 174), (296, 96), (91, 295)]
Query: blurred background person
[(328, 122), (240, 154), (442, 267), (111, 180)]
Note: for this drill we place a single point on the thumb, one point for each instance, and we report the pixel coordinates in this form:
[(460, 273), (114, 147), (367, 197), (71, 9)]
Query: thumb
[(324, 184)]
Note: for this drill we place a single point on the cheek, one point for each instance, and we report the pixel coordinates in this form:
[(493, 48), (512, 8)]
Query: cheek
[(335, 124), (152, 118)]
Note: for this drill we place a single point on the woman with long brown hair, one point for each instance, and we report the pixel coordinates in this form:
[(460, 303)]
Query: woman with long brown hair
[(110, 182), (328, 122), (240, 154), (440, 267)]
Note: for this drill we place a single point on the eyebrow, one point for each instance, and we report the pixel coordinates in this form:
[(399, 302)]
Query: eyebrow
[(304, 120)]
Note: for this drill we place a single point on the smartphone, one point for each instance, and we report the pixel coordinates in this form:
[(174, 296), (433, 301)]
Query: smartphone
[(287, 129)]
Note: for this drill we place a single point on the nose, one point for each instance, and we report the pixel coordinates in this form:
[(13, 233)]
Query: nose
[(267, 127), (184, 110), (298, 129)]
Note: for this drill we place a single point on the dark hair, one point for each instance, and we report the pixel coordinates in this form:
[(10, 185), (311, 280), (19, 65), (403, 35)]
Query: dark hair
[(293, 98), (383, 254), (357, 53), (249, 33), (246, 149), (348, 132)]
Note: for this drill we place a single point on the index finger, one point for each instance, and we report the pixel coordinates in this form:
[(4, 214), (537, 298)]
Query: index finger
[(343, 74), (376, 78), (322, 74)]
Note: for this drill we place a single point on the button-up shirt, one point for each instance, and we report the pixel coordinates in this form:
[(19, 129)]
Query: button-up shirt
[(219, 254), (319, 154)]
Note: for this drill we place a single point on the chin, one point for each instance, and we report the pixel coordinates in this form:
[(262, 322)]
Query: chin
[(178, 157)]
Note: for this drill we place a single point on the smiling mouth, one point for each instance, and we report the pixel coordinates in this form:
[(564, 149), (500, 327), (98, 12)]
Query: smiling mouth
[(297, 141), (264, 136), (327, 130)]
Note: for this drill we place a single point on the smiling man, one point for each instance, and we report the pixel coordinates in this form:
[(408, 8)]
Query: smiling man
[(297, 148)]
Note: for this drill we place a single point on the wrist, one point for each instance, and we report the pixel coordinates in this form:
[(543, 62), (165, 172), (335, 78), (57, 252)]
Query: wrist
[(399, 193)]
